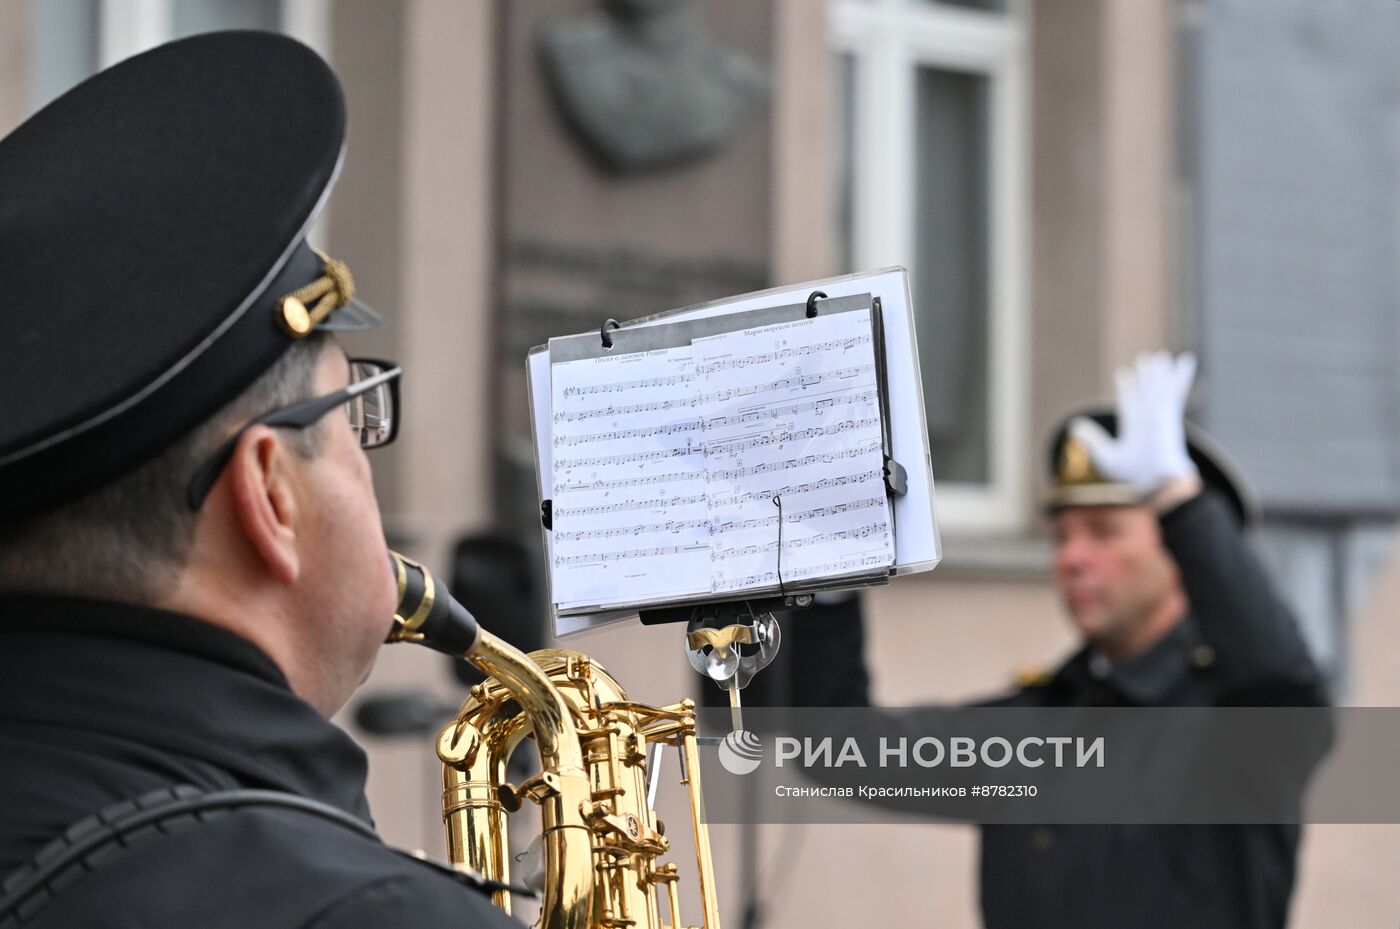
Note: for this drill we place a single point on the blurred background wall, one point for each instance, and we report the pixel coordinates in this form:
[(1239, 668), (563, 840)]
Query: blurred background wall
[(1068, 181)]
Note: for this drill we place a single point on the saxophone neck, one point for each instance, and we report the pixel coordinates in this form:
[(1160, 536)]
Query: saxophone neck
[(429, 615), (554, 728)]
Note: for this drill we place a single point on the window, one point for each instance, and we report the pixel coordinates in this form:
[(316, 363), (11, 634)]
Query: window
[(63, 42), (931, 166), (76, 38)]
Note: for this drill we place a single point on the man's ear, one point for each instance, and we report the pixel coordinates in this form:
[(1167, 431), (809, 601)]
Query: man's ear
[(263, 487)]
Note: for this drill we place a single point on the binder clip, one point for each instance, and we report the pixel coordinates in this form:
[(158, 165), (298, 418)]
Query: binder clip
[(896, 478), (607, 327)]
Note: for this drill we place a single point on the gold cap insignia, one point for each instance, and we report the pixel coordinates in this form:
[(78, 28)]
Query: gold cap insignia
[(1032, 676), (1076, 467), (332, 290)]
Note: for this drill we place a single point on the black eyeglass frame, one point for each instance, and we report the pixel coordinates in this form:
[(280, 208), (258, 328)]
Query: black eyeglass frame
[(300, 415)]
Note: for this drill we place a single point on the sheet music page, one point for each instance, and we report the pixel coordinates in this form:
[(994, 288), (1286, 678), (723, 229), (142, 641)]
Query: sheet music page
[(791, 424), (630, 516)]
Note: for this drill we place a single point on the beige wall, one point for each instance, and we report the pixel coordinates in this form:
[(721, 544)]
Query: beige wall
[(1137, 78), (411, 215), (803, 195), (14, 64), (1348, 871), (1102, 118)]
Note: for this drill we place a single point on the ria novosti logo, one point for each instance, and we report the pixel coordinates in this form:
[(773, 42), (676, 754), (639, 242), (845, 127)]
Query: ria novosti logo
[(740, 752)]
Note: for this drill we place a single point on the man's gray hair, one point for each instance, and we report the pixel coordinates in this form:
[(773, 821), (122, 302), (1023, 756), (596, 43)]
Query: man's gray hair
[(129, 539)]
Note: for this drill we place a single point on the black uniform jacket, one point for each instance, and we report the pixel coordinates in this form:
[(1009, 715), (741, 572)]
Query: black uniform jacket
[(1239, 646), (101, 702)]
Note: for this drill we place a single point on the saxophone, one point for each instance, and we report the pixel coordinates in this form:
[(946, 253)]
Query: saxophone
[(601, 841)]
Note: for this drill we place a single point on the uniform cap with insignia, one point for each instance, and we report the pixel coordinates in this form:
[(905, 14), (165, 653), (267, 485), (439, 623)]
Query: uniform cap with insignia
[(1074, 481), (153, 224)]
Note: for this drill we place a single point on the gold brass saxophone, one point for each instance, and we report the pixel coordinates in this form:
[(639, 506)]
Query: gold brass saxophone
[(601, 840)]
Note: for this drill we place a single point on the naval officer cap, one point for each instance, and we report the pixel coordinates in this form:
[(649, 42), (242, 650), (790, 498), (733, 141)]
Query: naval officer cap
[(153, 254), (1074, 481)]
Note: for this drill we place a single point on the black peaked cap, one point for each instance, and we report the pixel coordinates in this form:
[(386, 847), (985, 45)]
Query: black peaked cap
[(150, 221), (1074, 481)]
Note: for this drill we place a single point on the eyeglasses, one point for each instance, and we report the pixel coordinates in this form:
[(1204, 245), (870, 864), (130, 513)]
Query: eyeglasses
[(371, 403)]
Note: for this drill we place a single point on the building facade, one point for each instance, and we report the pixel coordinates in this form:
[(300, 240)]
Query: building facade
[(1069, 182)]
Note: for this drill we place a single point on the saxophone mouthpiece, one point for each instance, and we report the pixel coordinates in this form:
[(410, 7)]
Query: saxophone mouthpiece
[(427, 613)]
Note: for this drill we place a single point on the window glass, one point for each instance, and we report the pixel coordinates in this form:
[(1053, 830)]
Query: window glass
[(190, 17), (67, 35), (65, 39), (950, 269)]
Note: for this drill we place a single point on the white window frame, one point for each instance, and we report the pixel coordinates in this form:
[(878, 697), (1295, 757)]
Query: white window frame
[(128, 27), (888, 41)]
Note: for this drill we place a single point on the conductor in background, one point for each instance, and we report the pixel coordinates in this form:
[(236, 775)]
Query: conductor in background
[(1146, 515)]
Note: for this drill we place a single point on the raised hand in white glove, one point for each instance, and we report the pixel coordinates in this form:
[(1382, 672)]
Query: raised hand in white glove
[(1149, 451)]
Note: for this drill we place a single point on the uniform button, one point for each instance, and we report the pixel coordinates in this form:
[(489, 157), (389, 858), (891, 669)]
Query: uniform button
[(1042, 838), (1203, 656)]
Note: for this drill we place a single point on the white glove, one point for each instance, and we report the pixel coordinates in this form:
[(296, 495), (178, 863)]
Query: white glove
[(1150, 449)]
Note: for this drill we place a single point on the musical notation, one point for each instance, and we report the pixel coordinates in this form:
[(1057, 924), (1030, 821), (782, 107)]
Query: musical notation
[(770, 467), (729, 364), (671, 525), (833, 567), (719, 584), (564, 561), (618, 435), (681, 403), (655, 503), (802, 381), (737, 525), (863, 532), (782, 438), (711, 527), (654, 450), (792, 490), (759, 549), (568, 464), (618, 386), (806, 406), (835, 509), (721, 527), (821, 538), (615, 483)]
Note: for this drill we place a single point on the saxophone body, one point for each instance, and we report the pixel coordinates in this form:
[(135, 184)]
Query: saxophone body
[(601, 842)]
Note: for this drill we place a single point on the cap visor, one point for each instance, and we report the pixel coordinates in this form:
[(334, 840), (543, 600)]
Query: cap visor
[(1091, 495), (352, 317)]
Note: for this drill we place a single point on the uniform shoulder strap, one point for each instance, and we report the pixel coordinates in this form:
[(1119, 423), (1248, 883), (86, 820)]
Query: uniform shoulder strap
[(83, 847)]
